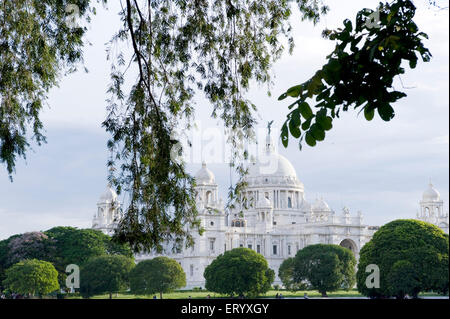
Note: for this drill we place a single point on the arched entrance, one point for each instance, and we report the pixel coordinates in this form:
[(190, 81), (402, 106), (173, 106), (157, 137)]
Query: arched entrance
[(350, 244)]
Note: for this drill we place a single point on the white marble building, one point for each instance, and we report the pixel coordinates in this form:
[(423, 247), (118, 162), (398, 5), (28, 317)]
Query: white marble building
[(432, 209), (277, 221), (108, 212)]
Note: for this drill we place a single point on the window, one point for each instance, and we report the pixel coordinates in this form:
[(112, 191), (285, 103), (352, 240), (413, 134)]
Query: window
[(250, 246), (211, 244), (275, 249), (289, 249), (238, 223), (258, 249), (212, 223), (289, 202), (191, 270), (225, 247), (241, 245)]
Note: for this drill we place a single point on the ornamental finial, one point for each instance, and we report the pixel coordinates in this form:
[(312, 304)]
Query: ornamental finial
[(269, 126)]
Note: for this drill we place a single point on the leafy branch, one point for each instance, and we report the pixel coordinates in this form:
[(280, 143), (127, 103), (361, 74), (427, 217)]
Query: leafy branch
[(359, 73)]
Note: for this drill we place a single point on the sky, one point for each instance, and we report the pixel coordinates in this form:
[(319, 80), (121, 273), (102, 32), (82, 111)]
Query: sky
[(378, 168)]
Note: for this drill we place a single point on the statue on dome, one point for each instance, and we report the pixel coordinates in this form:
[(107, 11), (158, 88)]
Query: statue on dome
[(269, 126)]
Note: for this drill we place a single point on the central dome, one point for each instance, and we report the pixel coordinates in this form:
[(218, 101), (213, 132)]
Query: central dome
[(272, 164)]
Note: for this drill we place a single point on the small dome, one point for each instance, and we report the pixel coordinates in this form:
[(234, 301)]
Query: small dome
[(264, 203), (320, 206), (204, 176), (108, 196), (431, 194), (306, 207)]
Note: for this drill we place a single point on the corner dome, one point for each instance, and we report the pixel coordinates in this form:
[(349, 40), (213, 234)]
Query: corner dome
[(205, 176), (108, 196), (305, 207), (431, 194), (320, 206)]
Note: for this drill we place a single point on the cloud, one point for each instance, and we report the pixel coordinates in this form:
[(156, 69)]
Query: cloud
[(440, 140), (377, 167)]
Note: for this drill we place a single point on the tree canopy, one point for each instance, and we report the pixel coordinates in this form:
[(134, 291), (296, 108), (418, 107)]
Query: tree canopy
[(76, 246), (34, 277), (412, 257), (37, 47), (180, 49), (360, 72), (32, 245), (240, 271), (157, 275), (286, 275), (325, 267), (105, 274), (61, 246)]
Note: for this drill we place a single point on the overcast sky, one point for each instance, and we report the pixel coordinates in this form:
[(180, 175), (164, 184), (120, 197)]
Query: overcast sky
[(375, 167)]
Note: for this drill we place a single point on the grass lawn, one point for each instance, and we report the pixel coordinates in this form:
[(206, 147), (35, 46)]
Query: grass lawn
[(204, 294)]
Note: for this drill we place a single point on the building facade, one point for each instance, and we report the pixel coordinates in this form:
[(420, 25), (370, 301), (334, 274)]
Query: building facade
[(432, 209), (275, 220)]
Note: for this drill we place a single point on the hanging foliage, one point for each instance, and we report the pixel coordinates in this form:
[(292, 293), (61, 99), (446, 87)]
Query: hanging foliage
[(360, 72)]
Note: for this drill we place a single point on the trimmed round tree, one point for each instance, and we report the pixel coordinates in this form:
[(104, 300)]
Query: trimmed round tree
[(105, 274), (412, 257), (157, 275), (325, 268), (240, 271), (33, 277), (76, 246), (286, 275)]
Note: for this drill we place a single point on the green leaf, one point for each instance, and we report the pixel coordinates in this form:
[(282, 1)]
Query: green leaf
[(321, 114), (285, 135), (306, 124), (294, 123), (305, 110), (325, 122), (317, 132), (369, 113), (310, 140), (348, 25), (282, 96), (295, 91), (300, 146), (386, 112)]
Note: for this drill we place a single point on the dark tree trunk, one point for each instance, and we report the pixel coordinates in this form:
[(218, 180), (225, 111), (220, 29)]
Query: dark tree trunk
[(110, 295), (324, 294), (160, 295)]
